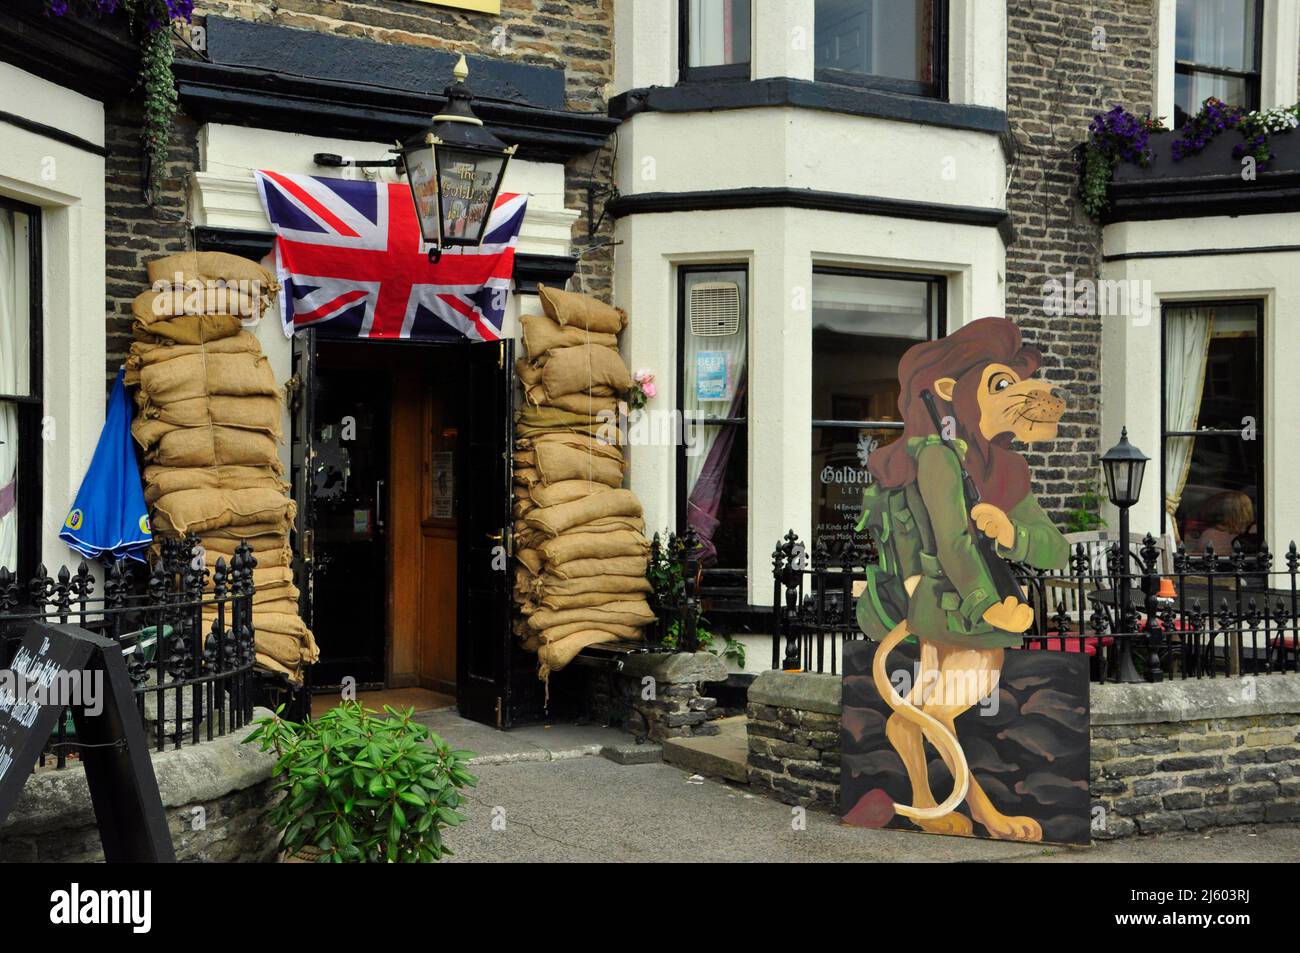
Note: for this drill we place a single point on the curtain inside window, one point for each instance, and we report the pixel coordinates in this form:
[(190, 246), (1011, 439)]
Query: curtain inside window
[(1187, 345), (718, 32), (13, 354), (714, 386)]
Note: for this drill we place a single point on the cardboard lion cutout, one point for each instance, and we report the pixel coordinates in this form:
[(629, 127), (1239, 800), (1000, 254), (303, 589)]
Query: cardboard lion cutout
[(950, 509)]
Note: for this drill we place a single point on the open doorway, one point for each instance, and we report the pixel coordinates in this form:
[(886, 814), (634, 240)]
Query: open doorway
[(402, 475)]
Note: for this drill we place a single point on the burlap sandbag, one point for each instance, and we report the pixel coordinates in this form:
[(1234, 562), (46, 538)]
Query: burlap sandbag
[(571, 546), (142, 354), (294, 676), (549, 584), (277, 603), (541, 334), (534, 421), (187, 329), (529, 374), (209, 298), (612, 566), (564, 491), (580, 600), (521, 508), (557, 462), (581, 403), (531, 558), (605, 448), (632, 612), (572, 370), (555, 655), (557, 632), (285, 649), (259, 412), (554, 520), (597, 399), (606, 524), (208, 266), (226, 541), (159, 481), (199, 511), (526, 476), (567, 307), (207, 374), (216, 446), (286, 623)]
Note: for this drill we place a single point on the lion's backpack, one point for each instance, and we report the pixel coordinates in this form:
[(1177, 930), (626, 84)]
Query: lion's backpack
[(888, 515)]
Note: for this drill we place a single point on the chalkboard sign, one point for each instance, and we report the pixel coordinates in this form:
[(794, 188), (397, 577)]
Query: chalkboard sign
[(58, 667)]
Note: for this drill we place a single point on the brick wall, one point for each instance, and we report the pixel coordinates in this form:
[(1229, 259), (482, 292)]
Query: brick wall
[(1056, 83), (135, 231), (573, 34)]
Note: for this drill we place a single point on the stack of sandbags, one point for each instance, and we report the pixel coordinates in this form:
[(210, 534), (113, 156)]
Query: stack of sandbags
[(579, 538), (208, 422)]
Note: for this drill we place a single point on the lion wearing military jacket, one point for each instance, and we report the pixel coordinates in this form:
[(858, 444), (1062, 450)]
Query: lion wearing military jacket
[(940, 577)]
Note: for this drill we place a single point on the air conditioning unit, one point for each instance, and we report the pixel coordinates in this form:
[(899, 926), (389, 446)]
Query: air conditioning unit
[(713, 309)]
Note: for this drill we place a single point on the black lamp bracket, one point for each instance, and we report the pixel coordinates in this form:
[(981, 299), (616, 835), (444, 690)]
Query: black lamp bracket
[(332, 160)]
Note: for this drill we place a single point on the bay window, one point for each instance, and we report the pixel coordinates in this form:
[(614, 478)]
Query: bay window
[(713, 463), (896, 45), (1213, 427), (862, 325), (20, 405), (1216, 53)]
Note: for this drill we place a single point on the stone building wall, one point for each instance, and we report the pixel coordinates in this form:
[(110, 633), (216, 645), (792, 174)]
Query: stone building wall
[(1067, 60), (576, 35), (216, 797), (1170, 756)]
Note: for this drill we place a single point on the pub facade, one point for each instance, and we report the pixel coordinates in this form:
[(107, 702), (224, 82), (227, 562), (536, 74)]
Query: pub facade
[(783, 197)]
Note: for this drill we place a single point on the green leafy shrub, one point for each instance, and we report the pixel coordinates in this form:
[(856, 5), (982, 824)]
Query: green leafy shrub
[(359, 787)]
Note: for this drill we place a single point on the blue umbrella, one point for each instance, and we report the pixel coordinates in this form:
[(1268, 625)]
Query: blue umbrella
[(109, 518)]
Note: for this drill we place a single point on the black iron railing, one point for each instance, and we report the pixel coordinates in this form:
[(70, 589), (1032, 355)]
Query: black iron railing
[(675, 576), (186, 633), (1147, 618)]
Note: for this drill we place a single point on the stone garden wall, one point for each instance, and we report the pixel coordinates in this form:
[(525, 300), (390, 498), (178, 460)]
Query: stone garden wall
[(216, 796), (657, 696), (1178, 755), (1195, 754)]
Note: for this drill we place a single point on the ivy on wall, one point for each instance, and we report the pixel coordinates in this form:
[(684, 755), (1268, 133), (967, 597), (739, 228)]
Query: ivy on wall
[(150, 22)]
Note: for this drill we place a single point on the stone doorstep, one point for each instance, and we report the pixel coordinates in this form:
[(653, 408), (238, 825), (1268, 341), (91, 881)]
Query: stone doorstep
[(724, 755)]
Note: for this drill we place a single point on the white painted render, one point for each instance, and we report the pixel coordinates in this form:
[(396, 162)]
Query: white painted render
[(223, 195), (810, 149), (1131, 353), (67, 184), (781, 247)]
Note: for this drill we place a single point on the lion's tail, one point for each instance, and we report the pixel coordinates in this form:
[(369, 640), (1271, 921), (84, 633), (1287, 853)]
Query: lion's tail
[(935, 730)]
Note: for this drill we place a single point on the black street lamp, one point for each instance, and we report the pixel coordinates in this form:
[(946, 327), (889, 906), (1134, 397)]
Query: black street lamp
[(455, 168), (1125, 465)]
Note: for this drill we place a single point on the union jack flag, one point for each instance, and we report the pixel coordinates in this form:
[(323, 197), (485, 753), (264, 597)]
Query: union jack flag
[(350, 260)]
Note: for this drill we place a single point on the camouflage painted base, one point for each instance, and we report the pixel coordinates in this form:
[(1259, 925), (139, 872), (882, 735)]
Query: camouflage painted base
[(1029, 751)]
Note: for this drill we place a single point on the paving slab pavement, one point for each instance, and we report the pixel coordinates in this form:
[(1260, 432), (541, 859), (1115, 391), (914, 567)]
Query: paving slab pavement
[(535, 742), (543, 798), (590, 809)]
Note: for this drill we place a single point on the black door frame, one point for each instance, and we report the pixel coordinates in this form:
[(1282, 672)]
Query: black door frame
[(508, 697)]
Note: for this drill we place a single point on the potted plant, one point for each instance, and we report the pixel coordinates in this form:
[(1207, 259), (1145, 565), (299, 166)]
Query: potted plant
[(359, 787)]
